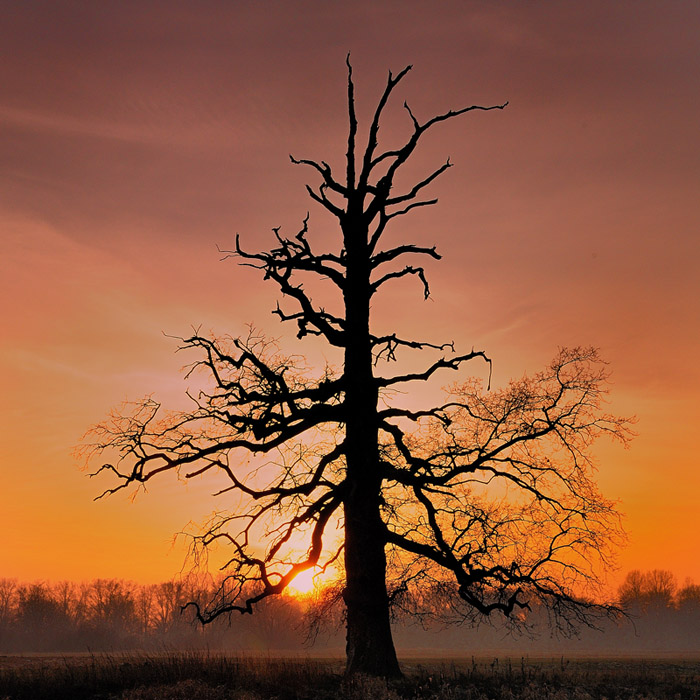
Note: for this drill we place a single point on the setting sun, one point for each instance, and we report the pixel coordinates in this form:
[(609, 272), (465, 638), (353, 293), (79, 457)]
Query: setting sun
[(304, 582)]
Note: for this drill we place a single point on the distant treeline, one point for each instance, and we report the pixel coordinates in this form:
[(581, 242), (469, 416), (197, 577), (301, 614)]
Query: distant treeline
[(113, 615)]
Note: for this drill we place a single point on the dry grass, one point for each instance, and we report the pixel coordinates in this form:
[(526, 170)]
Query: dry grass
[(199, 676)]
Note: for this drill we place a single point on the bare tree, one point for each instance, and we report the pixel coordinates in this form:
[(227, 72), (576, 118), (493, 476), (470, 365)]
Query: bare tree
[(490, 490)]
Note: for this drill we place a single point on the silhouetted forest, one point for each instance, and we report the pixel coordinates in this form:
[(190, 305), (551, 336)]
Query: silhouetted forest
[(113, 615)]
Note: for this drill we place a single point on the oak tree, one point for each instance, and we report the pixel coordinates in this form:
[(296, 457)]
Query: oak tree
[(489, 492)]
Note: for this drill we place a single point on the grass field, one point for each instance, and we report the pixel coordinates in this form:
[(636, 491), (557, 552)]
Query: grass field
[(209, 676)]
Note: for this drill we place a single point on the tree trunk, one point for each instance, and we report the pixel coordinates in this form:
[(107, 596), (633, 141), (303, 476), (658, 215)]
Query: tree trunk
[(370, 647)]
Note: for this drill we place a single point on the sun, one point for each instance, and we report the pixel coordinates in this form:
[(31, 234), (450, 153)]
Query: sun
[(303, 583)]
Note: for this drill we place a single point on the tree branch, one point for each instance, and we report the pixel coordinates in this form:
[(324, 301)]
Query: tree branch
[(408, 270), (443, 363), (352, 130)]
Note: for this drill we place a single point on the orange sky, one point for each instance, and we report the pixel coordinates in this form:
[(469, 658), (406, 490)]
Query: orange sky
[(137, 136)]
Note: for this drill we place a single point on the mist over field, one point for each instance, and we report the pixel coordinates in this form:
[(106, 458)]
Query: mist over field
[(662, 618)]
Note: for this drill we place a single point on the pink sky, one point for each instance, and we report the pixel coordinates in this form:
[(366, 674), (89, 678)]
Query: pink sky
[(138, 136)]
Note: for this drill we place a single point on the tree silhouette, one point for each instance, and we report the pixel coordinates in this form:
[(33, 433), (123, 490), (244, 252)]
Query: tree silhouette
[(648, 590), (489, 492)]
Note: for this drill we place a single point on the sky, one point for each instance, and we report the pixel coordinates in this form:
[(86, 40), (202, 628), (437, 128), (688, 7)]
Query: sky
[(139, 136)]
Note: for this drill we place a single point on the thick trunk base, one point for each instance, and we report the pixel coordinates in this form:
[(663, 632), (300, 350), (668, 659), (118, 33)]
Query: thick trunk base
[(370, 648)]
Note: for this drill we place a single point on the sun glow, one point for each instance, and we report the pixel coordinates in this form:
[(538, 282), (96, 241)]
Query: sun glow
[(304, 583)]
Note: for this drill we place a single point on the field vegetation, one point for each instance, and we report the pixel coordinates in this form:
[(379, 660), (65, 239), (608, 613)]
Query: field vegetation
[(207, 676)]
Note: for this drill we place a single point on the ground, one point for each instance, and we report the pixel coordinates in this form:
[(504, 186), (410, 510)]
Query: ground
[(211, 676)]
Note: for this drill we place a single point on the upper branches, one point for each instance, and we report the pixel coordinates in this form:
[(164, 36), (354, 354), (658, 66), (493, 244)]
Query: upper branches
[(363, 206), (367, 198), (379, 171)]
